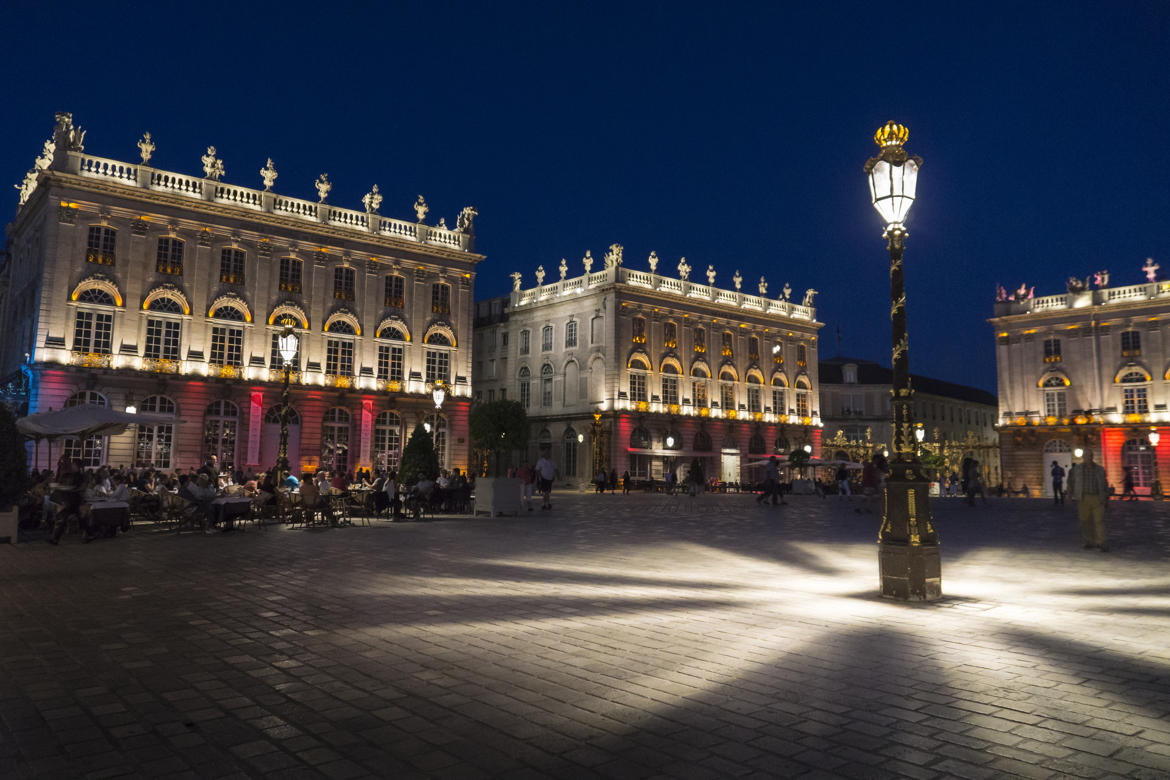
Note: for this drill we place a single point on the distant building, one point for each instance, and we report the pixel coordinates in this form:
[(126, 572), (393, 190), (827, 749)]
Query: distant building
[(131, 286), (958, 421), (622, 369), (1087, 368)]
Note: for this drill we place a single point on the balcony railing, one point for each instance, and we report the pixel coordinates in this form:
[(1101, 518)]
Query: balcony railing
[(91, 359), (342, 381), (225, 371), (277, 375), (161, 365)]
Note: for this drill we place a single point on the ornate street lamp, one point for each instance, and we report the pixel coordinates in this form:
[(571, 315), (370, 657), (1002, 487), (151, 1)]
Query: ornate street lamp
[(907, 543), (438, 394), (286, 345), (1156, 488)]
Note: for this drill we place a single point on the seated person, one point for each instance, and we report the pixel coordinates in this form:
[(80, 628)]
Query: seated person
[(200, 493), (324, 487), (290, 481), (120, 491), (339, 482)]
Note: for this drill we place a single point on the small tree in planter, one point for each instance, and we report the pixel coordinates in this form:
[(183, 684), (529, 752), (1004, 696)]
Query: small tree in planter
[(419, 458), (798, 459), (499, 428), (14, 468)]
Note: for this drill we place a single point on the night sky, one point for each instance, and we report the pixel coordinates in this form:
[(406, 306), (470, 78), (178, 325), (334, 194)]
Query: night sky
[(733, 134)]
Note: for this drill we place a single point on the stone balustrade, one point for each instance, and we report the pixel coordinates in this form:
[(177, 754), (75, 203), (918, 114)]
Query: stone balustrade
[(145, 177), (1077, 300)]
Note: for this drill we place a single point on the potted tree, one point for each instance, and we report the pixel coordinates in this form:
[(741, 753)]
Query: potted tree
[(419, 459), (798, 461), (498, 428), (14, 467)]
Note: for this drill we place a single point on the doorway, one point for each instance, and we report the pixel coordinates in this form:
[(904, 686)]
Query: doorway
[(1061, 452)]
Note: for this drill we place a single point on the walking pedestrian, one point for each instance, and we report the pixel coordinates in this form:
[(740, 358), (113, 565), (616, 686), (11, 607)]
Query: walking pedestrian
[(1089, 488), (546, 471), (1130, 494), (601, 479), (771, 483), (1057, 472), (626, 482), (612, 481), (843, 490)]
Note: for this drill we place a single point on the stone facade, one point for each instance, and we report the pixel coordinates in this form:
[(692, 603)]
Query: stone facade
[(1085, 369), (623, 369), (958, 421), (134, 286)]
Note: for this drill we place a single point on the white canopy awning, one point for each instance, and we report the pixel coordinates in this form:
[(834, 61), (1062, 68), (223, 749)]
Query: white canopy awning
[(84, 421)]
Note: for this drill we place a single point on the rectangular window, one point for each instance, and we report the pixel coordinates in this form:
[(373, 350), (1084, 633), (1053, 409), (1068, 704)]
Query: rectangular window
[(700, 341), (290, 275), (231, 266), (395, 292), (390, 362), (779, 405), (525, 393), (570, 334), (700, 393), (1131, 343), (596, 328), (525, 337), (162, 339), (1134, 400), (728, 345), (93, 333), (343, 284), (546, 338), (802, 408), (754, 349), (669, 390), (438, 365), (1052, 351), (100, 247), (491, 369), (727, 395), (753, 400), (339, 357), (276, 361), (153, 446), (546, 391), (638, 330), (490, 338), (170, 256), (503, 339), (637, 387), (227, 346), (670, 335), (801, 355), (440, 298)]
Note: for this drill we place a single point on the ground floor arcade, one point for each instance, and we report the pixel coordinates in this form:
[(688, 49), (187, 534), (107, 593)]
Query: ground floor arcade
[(1027, 454)]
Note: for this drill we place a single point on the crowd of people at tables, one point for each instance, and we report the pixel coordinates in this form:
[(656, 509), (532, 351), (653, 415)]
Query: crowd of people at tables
[(69, 494)]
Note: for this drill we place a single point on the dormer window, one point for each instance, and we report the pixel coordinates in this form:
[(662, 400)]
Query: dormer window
[(849, 374)]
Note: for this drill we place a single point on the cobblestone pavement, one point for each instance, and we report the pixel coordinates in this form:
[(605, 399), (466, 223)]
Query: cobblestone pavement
[(614, 636)]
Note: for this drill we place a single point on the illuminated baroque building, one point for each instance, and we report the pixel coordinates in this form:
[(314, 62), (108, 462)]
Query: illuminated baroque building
[(138, 287), (623, 369), (1085, 369), (957, 421)]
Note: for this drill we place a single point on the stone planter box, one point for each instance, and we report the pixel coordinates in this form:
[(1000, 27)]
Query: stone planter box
[(497, 496)]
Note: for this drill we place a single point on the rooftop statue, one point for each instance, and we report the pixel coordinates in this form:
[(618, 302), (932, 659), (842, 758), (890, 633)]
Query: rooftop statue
[(711, 275), (323, 186), (466, 221), (613, 258), (27, 186), (1101, 279), (787, 291), (763, 286), (65, 134), (421, 208), (268, 174), (684, 270), (145, 148), (563, 268), (443, 223), (539, 275), (1151, 269), (1000, 293), (372, 200), (212, 165), (653, 262), (1074, 285), (46, 158), (587, 260), (809, 295), (516, 277), (738, 279)]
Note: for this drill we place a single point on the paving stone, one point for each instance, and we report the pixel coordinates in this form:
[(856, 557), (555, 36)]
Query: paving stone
[(617, 636)]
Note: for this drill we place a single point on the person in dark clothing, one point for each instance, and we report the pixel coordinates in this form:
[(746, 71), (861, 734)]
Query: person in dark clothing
[(626, 482), (612, 480)]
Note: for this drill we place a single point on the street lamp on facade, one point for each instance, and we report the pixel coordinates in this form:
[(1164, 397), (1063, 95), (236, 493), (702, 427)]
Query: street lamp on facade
[(907, 543), (286, 345), (1156, 488)]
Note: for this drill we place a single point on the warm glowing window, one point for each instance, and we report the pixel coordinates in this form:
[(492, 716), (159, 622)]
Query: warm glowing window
[(290, 274), (728, 344), (100, 246), (395, 292), (670, 335), (1052, 351), (343, 284), (638, 329), (231, 266), (801, 355), (1131, 343), (440, 298), (170, 256), (700, 340)]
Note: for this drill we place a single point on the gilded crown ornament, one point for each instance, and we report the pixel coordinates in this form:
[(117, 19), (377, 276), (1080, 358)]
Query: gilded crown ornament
[(891, 134)]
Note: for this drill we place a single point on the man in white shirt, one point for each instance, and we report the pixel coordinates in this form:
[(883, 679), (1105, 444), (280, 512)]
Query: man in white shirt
[(546, 471)]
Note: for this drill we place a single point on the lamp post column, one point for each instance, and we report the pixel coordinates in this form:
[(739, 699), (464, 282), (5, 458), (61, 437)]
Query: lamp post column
[(282, 452)]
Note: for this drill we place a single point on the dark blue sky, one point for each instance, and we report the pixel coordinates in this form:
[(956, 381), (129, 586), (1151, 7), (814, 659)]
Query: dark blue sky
[(733, 134)]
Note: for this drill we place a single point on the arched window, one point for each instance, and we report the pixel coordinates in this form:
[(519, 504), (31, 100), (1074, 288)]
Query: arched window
[(546, 383), (727, 388), (272, 416), (227, 343), (387, 440), (640, 438), (163, 334), (95, 296), (803, 408), (230, 313), (440, 434), (525, 377), (275, 360), (335, 441), (779, 394), (1055, 401), (782, 445), (670, 374), (165, 304), (569, 460), (546, 338), (221, 423), (702, 440), (89, 451), (154, 443), (754, 393), (93, 329), (756, 444), (1137, 458), (699, 376), (341, 328), (1134, 392), (638, 368)]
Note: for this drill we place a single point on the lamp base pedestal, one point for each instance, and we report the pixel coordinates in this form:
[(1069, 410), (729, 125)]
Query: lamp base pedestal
[(908, 555), (910, 573)]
